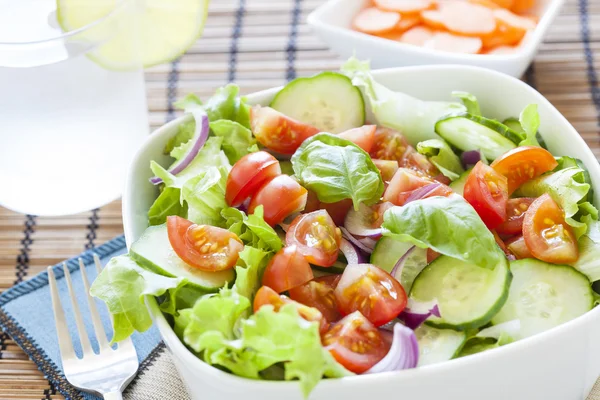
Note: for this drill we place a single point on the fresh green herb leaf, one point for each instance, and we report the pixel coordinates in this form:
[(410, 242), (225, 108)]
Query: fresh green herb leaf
[(205, 196), (530, 121), (167, 203), (441, 155), (237, 139), (469, 100), (249, 271), (122, 285), (337, 169), (448, 225)]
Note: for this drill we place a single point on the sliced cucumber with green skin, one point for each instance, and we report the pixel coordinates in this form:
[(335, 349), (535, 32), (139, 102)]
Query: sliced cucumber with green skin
[(458, 186), (544, 295), (328, 101), (411, 265), (472, 132), (387, 252), (438, 345), (468, 296), (477, 345), (514, 124), (153, 252)]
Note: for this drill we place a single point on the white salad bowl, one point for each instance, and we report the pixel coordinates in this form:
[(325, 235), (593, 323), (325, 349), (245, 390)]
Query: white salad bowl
[(332, 22), (560, 364)]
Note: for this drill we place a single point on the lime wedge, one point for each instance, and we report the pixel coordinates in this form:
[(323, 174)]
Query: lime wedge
[(130, 34)]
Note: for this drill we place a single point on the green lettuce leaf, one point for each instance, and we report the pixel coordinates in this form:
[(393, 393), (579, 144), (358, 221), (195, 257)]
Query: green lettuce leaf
[(249, 271), (469, 100), (123, 285), (414, 118), (205, 196), (185, 132), (448, 225), (441, 155), (237, 139), (478, 344), (182, 320), (337, 169), (167, 203), (567, 187), (588, 262), (530, 122), (252, 229)]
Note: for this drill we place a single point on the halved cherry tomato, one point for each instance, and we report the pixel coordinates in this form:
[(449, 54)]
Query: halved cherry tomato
[(372, 291), (363, 137), (337, 211), (515, 212), (266, 295), (287, 269), (389, 145), (281, 196), (547, 235), (418, 162), (277, 131), (522, 164), (205, 247), (486, 190), (387, 168), (318, 293), (432, 255), (406, 181), (518, 247), (249, 174), (355, 343), (316, 237), (502, 245)]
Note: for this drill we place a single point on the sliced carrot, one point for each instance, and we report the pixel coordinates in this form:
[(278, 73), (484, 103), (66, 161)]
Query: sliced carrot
[(373, 20), (510, 29), (403, 6), (502, 50), (461, 18), (514, 19), (485, 3), (417, 35), (454, 43), (504, 3), (520, 6), (408, 21)]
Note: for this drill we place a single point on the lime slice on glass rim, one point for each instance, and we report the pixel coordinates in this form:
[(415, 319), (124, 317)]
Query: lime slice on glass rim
[(134, 33)]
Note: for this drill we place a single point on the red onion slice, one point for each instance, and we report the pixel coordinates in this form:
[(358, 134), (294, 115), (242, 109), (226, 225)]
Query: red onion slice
[(355, 241), (421, 192), (403, 354), (199, 138), (368, 242), (352, 254), (359, 222), (416, 313), (397, 270), (470, 158)]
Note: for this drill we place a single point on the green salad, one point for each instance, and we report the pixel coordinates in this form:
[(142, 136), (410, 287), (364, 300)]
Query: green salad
[(312, 239)]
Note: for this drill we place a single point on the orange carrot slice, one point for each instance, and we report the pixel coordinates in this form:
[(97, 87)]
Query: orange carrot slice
[(502, 50), (417, 36), (373, 20), (520, 6), (504, 3), (485, 3), (514, 20), (461, 18), (403, 6), (408, 21), (510, 29), (453, 43)]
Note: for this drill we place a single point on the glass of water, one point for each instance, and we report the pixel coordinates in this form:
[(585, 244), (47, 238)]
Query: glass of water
[(69, 123)]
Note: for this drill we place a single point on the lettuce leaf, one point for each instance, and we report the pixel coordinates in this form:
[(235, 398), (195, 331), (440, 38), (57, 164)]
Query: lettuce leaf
[(469, 100), (442, 156), (249, 271), (237, 139), (252, 229), (185, 132), (448, 225), (167, 203), (414, 118), (123, 285), (205, 196), (530, 122), (588, 262), (337, 169)]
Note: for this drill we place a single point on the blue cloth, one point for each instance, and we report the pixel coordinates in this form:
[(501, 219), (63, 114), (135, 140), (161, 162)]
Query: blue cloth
[(26, 315)]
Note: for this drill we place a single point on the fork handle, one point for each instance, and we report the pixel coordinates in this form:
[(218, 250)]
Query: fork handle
[(113, 396)]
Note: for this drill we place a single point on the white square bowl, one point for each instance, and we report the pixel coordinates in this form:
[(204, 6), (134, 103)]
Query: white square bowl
[(560, 364), (332, 22)]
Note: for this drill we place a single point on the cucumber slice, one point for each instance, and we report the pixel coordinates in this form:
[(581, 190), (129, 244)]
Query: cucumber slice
[(328, 101), (544, 295), (459, 184), (438, 345), (387, 252), (468, 295), (153, 252), (471, 132), (413, 262)]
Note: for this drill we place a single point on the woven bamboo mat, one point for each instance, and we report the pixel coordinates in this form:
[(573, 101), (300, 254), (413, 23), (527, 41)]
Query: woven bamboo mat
[(261, 44)]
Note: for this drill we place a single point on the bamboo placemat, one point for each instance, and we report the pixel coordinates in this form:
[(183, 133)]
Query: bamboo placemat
[(261, 44)]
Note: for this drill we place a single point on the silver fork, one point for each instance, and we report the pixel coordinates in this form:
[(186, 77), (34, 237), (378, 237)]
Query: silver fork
[(106, 373)]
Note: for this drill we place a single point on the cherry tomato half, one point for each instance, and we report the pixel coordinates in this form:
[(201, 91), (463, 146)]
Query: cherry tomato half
[(316, 237), (486, 190), (406, 181), (205, 247), (389, 145), (355, 343), (418, 162), (363, 137), (522, 164), (287, 269), (337, 211), (281, 196), (277, 131), (266, 295), (248, 175), (515, 212), (387, 168), (518, 247), (372, 291), (547, 235), (318, 293)]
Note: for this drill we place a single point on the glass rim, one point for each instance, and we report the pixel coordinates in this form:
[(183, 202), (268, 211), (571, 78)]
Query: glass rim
[(69, 34)]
